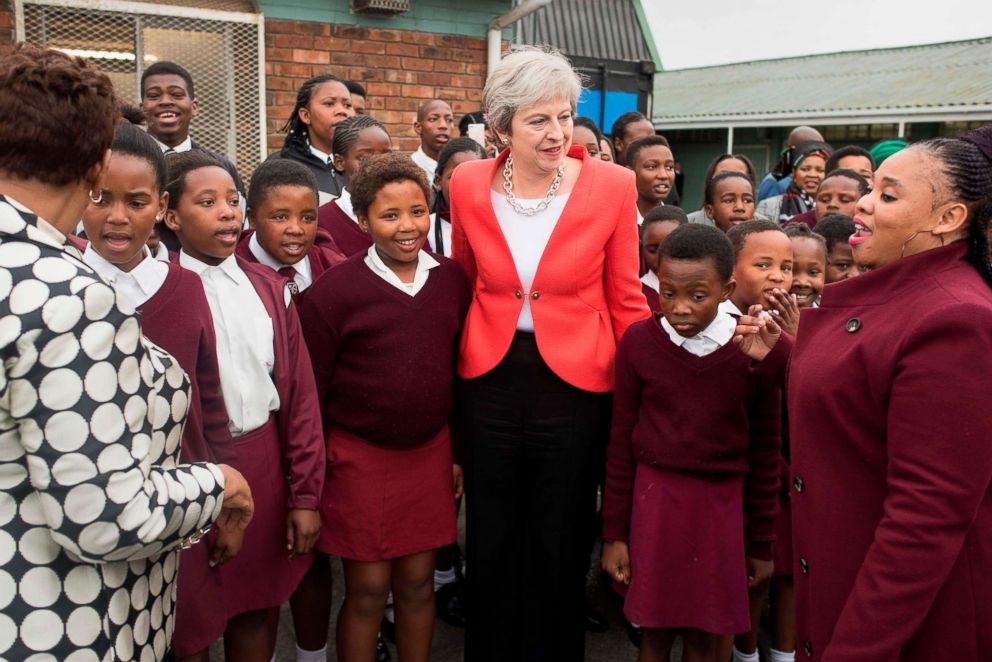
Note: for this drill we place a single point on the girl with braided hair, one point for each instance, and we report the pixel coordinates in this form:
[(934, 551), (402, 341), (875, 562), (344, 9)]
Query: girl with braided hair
[(891, 461), (322, 103)]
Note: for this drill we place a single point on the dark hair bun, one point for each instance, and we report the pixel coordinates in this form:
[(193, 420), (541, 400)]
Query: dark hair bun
[(982, 139), (132, 114)]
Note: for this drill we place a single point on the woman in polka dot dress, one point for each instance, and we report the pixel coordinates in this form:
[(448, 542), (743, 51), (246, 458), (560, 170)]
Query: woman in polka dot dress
[(93, 507)]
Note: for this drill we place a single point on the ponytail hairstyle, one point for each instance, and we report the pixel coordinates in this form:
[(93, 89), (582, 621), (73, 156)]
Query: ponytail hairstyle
[(181, 164), (131, 140), (347, 132), (966, 163), (711, 184), (297, 132), (711, 168)]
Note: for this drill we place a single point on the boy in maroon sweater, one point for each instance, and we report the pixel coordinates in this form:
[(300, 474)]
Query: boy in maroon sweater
[(693, 454)]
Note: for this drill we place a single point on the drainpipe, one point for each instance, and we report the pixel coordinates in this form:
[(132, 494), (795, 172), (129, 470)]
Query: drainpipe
[(495, 34)]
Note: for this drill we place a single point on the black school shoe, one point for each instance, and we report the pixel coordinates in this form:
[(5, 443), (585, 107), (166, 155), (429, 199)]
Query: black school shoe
[(381, 651), (451, 604), (633, 632)]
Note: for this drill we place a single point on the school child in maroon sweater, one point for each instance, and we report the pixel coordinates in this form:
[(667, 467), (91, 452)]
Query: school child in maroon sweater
[(693, 452), (175, 316), (763, 269), (658, 223), (270, 400), (282, 215), (354, 139), (383, 331)]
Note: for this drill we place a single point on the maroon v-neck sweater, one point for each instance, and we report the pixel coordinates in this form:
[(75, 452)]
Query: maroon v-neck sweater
[(349, 238), (177, 319), (702, 415), (383, 360)]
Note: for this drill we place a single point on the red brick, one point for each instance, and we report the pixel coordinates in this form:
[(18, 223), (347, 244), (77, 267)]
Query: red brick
[(371, 47), (466, 55), (368, 75), (452, 66), (282, 98), (417, 64), (407, 50), (478, 68), (293, 41), (478, 44), (385, 89), (408, 145), (315, 29), (396, 117), (418, 91), (278, 112), (451, 93), (454, 41), (331, 44), (350, 31), (292, 69), (401, 103), (311, 56), (462, 107), (279, 27), (377, 103), (426, 78), (422, 38), (278, 54), (435, 53), (278, 83), (378, 34), (466, 81), (474, 95)]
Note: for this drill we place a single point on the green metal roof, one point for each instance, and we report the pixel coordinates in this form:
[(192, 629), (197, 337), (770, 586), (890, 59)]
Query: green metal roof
[(932, 81)]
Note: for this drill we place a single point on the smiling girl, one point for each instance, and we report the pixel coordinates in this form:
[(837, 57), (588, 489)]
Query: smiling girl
[(807, 173), (382, 330), (270, 400)]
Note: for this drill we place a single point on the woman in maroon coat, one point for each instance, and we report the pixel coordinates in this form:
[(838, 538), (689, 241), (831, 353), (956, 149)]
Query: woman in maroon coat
[(892, 456)]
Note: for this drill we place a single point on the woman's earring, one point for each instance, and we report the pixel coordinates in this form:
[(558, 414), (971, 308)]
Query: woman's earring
[(98, 200)]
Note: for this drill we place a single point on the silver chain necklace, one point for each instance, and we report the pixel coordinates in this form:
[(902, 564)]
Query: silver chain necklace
[(512, 199)]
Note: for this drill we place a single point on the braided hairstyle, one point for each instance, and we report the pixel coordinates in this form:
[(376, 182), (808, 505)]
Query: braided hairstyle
[(297, 132), (347, 132), (966, 164)]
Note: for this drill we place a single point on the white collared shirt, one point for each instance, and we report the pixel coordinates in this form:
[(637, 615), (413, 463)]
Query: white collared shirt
[(445, 234), (713, 337), (184, 146), (343, 201), (303, 277), (245, 343), (424, 264), (323, 156), (651, 280), (731, 308), (162, 253), (138, 285), (426, 163)]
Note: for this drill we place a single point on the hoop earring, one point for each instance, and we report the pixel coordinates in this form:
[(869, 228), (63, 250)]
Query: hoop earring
[(98, 200)]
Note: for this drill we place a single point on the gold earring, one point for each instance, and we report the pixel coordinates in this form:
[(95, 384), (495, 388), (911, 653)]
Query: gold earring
[(98, 200)]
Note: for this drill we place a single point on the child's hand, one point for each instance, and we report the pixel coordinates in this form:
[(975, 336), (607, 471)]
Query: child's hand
[(756, 336), (459, 477), (787, 308), (302, 528), (616, 561), (758, 572), (227, 545)]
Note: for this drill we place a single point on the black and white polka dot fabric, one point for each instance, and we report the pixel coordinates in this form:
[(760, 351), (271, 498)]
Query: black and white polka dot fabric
[(93, 507)]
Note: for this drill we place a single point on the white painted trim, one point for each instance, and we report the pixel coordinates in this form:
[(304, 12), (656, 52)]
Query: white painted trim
[(263, 130), (730, 139), (908, 116), (131, 7)]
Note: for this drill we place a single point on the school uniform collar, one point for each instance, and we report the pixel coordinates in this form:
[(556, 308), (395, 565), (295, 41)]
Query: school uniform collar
[(344, 202), (421, 158), (651, 280), (143, 274), (324, 157), (229, 267), (184, 146), (719, 331), (162, 253), (263, 257), (730, 308), (425, 262)]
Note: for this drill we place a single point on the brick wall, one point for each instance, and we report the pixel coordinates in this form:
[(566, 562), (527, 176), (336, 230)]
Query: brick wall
[(6, 23), (400, 68)]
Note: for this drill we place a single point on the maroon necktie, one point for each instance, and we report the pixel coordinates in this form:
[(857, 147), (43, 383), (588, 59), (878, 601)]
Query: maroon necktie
[(289, 273)]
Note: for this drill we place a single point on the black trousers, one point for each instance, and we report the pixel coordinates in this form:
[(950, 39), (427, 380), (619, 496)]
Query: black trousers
[(532, 446)]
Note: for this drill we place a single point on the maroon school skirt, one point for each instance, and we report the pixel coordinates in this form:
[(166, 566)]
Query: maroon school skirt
[(383, 503), (262, 574), (200, 613), (687, 552)]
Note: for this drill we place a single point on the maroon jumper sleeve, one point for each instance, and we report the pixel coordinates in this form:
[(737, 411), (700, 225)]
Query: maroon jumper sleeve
[(775, 366), (299, 421), (620, 466), (939, 471), (762, 482), (215, 420)]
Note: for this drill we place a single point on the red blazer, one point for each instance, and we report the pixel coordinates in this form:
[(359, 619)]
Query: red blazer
[(586, 291), (891, 435)]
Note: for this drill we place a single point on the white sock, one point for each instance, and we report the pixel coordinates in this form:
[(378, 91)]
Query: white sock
[(311, 656), (389, 615), (780, 656), (746, 657), (443, 577)]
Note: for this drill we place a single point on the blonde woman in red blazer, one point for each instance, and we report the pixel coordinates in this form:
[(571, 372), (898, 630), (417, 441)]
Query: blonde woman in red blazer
[(548, 237), (892, 451)]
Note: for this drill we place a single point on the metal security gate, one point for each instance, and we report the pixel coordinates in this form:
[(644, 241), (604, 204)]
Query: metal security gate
[(222, 49)]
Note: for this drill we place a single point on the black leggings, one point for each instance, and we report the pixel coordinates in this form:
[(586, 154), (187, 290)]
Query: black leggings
[(533, 446)]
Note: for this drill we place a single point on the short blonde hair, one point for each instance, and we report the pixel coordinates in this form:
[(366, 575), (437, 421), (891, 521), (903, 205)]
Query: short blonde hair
[(527, 76)]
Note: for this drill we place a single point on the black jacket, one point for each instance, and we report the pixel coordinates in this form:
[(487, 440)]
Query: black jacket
[(328, 179)]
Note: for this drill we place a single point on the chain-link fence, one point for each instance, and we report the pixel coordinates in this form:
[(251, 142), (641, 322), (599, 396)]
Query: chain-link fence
[(219, 48)]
